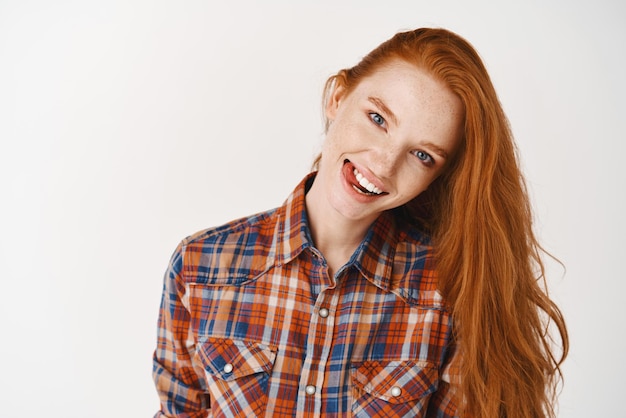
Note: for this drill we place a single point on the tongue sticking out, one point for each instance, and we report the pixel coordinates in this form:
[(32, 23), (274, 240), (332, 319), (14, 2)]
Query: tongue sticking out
[(349, 173)]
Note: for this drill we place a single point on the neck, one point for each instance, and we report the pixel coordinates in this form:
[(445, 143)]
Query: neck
[(334, 235)]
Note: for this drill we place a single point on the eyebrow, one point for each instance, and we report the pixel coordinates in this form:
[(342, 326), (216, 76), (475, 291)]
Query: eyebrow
[(382, 106), (438, 150)]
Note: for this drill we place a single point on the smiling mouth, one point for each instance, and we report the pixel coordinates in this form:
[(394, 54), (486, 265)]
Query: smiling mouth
[(364, 186)]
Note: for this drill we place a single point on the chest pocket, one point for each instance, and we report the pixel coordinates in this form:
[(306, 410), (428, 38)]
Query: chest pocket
[(237, 374), (392, 388)]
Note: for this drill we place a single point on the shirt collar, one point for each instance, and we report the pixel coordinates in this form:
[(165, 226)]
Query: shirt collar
[(374, 257), (293, 234)]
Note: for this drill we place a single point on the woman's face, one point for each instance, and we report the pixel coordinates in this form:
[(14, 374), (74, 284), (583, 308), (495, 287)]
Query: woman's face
[(388, 139)]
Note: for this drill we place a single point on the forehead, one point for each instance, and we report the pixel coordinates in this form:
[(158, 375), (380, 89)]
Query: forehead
[(407, 87)]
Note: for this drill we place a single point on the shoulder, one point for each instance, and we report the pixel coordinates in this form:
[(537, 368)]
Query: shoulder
[(414, 248), (233, 252), (236, 227), (414, 269)]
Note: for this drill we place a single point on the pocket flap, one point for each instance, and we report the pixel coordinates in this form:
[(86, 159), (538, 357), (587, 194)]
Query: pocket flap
[(230, 359), (395, 381)]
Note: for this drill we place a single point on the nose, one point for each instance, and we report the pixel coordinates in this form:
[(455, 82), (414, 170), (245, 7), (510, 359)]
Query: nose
[(387, 160)]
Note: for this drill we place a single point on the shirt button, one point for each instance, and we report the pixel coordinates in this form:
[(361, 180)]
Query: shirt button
[(396, 391), (310, 390), (228, 368), (324, 313)]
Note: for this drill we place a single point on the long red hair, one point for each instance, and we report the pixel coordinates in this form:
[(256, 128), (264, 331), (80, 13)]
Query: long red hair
[(490, 265)]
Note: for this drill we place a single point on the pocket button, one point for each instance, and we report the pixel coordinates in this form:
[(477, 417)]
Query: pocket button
[(396, 391), (228, 368)]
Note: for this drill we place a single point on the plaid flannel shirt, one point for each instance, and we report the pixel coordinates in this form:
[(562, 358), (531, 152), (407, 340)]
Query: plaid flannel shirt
[(251, 324)]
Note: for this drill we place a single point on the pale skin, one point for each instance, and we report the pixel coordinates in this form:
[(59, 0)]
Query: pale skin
[(398, 129)]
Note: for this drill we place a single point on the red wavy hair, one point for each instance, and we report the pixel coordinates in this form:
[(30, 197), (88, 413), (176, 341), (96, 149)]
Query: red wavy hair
[(490, 265)]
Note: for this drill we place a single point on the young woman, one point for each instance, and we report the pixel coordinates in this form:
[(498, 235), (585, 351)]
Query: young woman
[(401, 278)]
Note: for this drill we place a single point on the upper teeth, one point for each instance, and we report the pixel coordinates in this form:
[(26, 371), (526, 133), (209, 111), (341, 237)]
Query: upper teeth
[(365, 183)]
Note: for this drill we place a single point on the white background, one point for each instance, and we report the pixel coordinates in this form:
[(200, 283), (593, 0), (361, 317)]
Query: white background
[(127, 125)]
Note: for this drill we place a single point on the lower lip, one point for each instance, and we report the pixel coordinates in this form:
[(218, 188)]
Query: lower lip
[(350, 182)]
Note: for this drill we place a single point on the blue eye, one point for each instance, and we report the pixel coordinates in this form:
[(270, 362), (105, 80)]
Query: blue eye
[(425, 157), (377, 119)]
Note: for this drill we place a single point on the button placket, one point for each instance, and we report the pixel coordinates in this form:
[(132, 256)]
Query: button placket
[(320, 337)]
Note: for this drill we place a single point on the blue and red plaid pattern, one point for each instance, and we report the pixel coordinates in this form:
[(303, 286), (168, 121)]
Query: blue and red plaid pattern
[(251, 324)]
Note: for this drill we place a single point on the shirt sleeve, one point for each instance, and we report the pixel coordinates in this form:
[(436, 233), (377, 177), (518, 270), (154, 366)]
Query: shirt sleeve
[(181, 387)]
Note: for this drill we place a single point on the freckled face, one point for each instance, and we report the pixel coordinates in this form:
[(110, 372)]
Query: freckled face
[(387, 141)]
